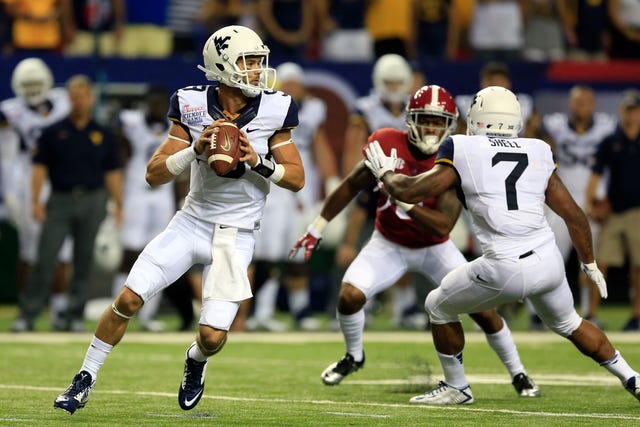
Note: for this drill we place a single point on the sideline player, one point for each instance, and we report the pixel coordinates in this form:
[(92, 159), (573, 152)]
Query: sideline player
[(406, 237), (37, 104), (505, 182), (215, 226)]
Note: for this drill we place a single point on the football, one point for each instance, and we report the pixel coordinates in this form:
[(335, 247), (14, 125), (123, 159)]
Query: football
[(224, 151)]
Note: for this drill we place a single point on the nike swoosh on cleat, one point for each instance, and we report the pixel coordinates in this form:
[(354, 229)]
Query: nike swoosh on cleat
[(481, 279), (252, 130), (189, 402)]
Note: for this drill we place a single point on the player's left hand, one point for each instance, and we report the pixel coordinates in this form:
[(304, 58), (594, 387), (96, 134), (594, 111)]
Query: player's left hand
[(596, 276), (378, 162), (310, 241)]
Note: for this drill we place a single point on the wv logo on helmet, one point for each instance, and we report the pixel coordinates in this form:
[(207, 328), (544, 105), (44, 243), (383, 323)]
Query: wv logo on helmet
[(221, 43)]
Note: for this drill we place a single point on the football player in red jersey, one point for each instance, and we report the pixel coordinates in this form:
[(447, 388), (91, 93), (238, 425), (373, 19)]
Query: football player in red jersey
[(406, 236)]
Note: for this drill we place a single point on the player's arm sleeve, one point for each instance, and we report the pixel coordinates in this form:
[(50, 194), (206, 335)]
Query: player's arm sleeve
[(291, 118), (174, 114), (445, 152)]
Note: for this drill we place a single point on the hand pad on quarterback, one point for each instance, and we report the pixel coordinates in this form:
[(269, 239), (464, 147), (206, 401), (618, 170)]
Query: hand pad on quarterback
[(596, 276), (310, 241), (378, 162)]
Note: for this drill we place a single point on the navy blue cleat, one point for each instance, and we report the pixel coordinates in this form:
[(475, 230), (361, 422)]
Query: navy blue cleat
[(632, 385), (77, 394), (192, 384)]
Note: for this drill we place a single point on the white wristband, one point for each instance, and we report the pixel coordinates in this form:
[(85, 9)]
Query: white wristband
[(319, 224), (404, 206), (278, 173), (179, 161)]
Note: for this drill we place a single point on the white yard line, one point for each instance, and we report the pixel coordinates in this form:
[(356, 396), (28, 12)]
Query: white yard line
[(353, 404)]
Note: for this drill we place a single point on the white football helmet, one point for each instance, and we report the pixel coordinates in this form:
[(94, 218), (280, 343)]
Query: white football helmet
[(392, 68), (222, 52), (32, 80), (495, 111)]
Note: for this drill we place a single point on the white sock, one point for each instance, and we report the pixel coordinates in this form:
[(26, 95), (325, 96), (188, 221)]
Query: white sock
[(58, 304), (193, 352), (403, 297), (352, 326), (619, 367), (118, 283), (265, 299), (298, 300), (96, 355), (502, 343), (453, 369)]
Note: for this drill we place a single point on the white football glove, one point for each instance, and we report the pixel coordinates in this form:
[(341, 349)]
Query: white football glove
[(596, 276), (378, 162)]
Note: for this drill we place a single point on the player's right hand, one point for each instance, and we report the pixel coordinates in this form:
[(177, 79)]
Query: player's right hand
[(595, 275), (310, 241)]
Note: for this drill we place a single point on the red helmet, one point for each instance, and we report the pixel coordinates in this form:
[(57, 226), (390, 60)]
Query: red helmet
[(432, 101)]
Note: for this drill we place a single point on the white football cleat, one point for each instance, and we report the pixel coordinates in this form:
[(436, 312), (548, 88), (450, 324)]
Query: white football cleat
[(444, 394), (632, 385)]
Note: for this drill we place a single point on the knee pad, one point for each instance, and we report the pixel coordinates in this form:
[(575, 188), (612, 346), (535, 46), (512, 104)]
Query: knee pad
[(437, 310), (566, 326)]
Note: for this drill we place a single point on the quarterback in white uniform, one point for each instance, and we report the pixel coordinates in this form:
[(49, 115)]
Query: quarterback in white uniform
[(36, 106), (215, 226), (504, 182)]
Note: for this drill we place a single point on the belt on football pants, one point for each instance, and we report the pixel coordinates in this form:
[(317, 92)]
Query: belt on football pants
[(526, 254)]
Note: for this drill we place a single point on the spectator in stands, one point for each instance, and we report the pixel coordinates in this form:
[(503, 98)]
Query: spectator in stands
[(6, 23), (287, 27), (146, 33), (497, 30), (343, 32), (390, 24), (95, 28), (460, 16), (543, 39), (583, 24), (79, 157), (432, 28), (37, 24), (624, 17), (619, 154), (185, 19), (575, 137)]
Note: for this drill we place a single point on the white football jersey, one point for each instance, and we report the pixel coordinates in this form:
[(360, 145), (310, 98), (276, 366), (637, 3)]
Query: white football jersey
[(147, 210), (503, 185), (464, 102), (27, 122), (238, 198), (312, 115), (377, 115), (574, 152)]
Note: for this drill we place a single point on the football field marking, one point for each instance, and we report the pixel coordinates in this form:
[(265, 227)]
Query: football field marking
[(351, 404)]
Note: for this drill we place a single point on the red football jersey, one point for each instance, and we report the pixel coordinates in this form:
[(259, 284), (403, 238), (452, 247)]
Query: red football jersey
[(394, 223)]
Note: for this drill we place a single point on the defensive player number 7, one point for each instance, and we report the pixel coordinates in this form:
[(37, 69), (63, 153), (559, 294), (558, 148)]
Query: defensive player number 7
[(522, 161)]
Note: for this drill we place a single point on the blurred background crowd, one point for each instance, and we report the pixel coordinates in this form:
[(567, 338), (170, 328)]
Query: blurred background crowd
[(574, 64)]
